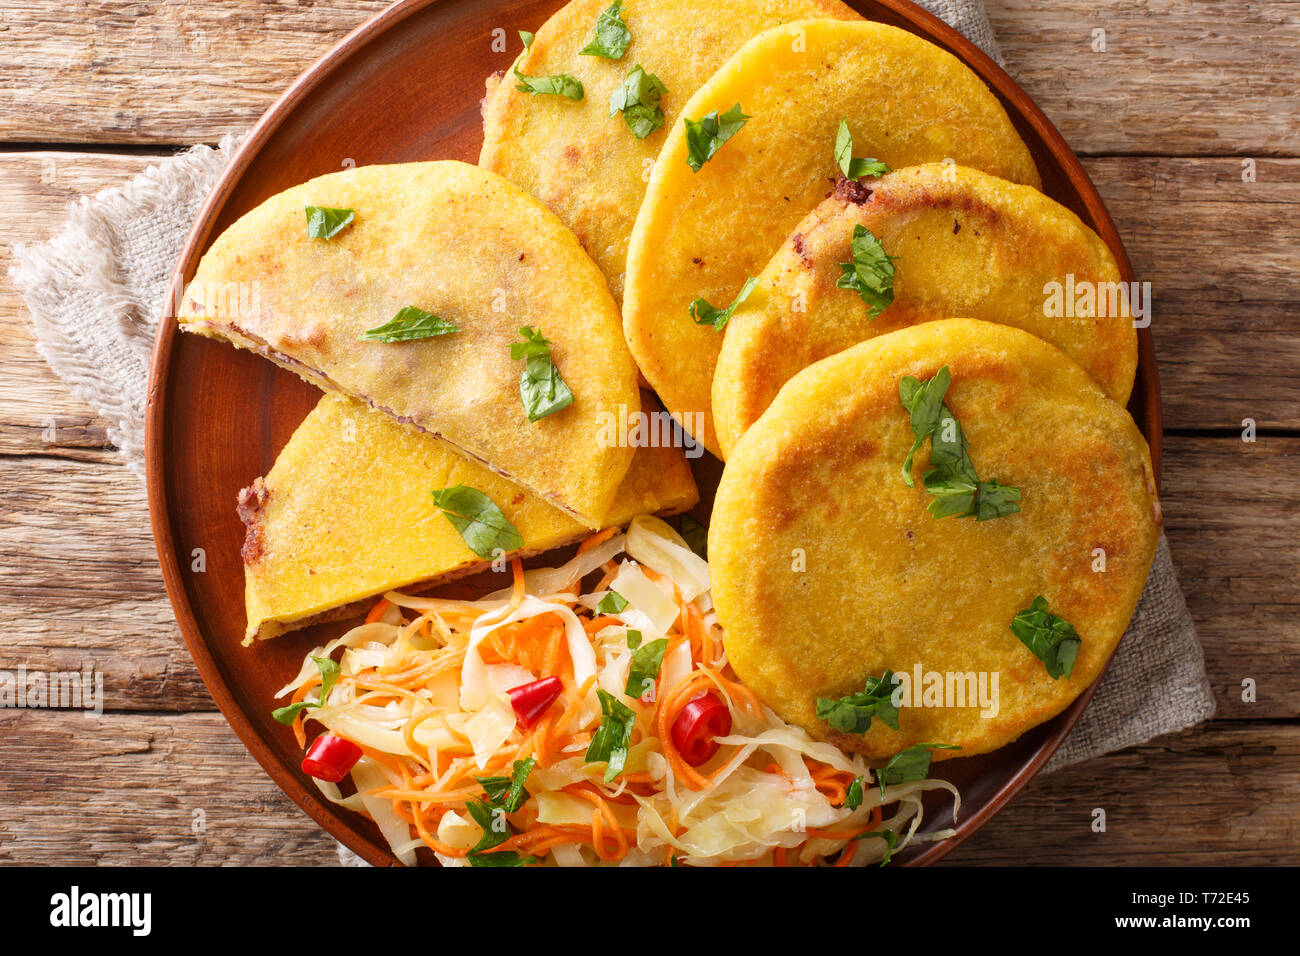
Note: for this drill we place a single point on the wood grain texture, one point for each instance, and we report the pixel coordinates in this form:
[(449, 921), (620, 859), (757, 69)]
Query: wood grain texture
[(144, 789), (1177, 77), (120, 71), (1224, 269), (36, 189), (1225, 795)]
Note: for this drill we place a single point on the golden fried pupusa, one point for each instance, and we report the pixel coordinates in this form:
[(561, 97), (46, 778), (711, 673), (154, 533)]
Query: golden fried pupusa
[(458, 242), (701, 234), (584, 164), (967, 244), (827, 568), (346, 513)]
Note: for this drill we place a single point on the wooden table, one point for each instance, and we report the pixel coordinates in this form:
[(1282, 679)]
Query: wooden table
[(1183, 99)]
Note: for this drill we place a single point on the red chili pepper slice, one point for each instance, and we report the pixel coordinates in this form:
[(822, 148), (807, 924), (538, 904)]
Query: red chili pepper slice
[(700, 721), (531, 700), (330, 758)]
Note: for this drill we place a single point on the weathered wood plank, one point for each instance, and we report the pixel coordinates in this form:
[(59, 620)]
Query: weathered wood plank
[(1233, 516), (144, 789), (1177, 77), (80, 583), (122, 71), (1225, 795), (1224, 269), (1166, 77)]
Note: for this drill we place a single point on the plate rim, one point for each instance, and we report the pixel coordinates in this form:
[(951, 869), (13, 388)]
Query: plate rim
[(926, 24)]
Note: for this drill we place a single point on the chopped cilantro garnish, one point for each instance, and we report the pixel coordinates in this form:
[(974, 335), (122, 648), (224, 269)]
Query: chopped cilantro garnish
[(541, 387), (1053, 640), (705, 314), (850, 167), (478, 520), (951, 478), (611, 740), (326, 222), (329, 675), (908, 765), (637, 98), (612, 35), (561, 84), (852, 714), (705, 136), (646, 661), (410, 324), (871, 273)]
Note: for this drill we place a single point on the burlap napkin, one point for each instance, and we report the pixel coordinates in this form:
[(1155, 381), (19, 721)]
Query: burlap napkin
[(95, 291)]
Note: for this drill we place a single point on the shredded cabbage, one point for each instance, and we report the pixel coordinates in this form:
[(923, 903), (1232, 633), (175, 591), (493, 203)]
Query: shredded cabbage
[(428, 694)]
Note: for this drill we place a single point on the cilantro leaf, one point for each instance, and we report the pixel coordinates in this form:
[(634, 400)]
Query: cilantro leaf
[(871, 273), (409, 324), (508, 793), (862, 166), (492, 821), (850, 167), (541, 387), (852, 714), (924, 402), (633, 639), (612, 603), (646, 661), (1053, 640), (908, 765), (705, 136), (326, 222), (478, 520), (890, 838), (612, 35), (637, 97), (329, 675), (853, 796), (705, 314), (613, 737), (995, 500), (505, 795), (950, 480), (561, 84)]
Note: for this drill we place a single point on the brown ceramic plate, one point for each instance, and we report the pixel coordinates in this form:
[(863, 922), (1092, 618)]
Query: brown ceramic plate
[(406, 86)]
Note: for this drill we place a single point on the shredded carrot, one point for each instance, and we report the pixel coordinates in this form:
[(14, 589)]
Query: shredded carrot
[(378, 611), (597, 539), (542, 746), (846, 855), (517, 590)]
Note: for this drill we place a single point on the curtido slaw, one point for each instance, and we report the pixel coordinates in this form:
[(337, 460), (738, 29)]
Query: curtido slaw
[(448, 719)]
